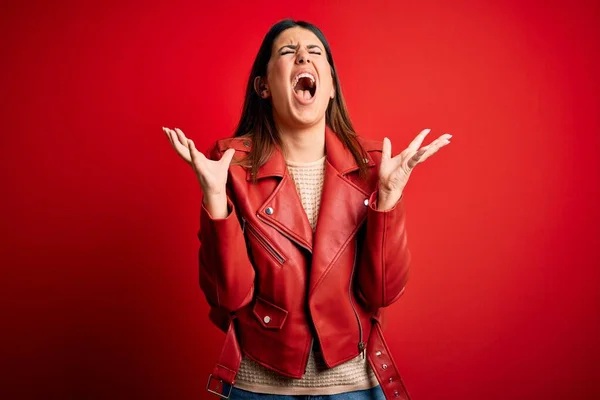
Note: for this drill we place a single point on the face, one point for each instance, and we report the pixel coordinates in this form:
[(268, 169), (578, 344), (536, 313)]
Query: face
[(299, 80)]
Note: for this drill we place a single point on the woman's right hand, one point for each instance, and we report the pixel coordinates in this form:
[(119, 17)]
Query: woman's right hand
[(212, 175)]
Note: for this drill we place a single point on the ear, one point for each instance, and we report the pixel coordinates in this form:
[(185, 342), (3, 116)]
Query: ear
[(332, 94), (261, 88)]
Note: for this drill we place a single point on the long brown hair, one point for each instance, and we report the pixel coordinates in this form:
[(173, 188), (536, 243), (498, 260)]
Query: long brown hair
[(257, 121)]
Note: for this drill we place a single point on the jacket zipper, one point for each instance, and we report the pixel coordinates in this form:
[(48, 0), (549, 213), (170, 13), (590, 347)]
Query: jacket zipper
[(266, 245), (283, 233), (304, 247), (361, 344), (312, 341)]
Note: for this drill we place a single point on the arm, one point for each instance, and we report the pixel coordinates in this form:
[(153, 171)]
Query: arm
[(384, 255), (226, 274)]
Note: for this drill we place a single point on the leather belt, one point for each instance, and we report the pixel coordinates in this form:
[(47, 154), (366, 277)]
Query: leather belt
[(227, 366), (383, 365), (378, 355)]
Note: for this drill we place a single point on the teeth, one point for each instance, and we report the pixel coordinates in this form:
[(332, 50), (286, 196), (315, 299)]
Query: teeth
[(303, 75)]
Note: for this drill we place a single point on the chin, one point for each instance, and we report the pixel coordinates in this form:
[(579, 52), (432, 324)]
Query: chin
[(307, 115), (307, 118)]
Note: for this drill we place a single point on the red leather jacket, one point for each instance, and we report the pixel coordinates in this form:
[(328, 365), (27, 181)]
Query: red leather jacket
[(283, 286)]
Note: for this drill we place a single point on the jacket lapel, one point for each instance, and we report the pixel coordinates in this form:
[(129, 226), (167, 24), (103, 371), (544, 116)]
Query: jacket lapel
[(283, 208), (341, 213), (342, 209)]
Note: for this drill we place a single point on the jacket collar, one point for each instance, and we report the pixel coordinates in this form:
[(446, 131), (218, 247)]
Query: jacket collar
[(337, 155)]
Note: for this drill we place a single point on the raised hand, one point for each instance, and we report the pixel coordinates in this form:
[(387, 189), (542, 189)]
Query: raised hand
[(395, 171), (212, 175)]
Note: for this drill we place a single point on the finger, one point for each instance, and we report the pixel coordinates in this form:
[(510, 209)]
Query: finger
[(430, 150), (167, 132), (426, 151), (180, 136), (434, 150), (174, 141), (439, 141), (414, 160), (387, 149), (445, 136), (417, 141), (196, 156), (177, 145), (227, 156)]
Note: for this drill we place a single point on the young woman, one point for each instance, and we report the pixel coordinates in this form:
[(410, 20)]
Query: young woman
[(302, 233)]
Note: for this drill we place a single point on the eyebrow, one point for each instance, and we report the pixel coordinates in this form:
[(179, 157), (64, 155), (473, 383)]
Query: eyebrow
[(290, 46)]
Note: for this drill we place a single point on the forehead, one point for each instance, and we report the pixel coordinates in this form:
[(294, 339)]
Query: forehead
[(294, 36)]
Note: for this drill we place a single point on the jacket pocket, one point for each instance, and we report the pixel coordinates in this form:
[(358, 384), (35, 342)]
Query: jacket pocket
[(268, 247), (269, 315)]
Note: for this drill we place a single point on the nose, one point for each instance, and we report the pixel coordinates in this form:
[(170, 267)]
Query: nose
[(302, 58)]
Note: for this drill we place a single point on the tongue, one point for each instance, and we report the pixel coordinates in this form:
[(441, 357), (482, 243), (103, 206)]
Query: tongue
[(303, 94)]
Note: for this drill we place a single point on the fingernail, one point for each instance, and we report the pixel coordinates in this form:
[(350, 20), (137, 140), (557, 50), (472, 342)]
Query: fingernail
[(427, 130)]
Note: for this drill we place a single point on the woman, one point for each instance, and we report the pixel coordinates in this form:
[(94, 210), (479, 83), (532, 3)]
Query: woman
[(302, 235)]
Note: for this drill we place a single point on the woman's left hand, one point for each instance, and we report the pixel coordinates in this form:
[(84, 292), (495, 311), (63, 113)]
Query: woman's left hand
[(395, 171)]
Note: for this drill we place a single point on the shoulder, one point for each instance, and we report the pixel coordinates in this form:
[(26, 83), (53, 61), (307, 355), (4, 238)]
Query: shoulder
[(240, 144), (373, 148), (370, 145)]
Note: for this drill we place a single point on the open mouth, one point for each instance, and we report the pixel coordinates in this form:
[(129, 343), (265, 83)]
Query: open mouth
[(305, 86)]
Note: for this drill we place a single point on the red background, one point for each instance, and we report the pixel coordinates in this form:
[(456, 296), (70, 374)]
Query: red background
[(100, 294)]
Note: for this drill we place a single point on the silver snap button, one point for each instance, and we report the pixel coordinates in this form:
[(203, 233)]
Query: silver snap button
[(378, 353), (366, 202), (384, 366), (269, 210), (396, 394), (267, 319), (391, 380), (366, 160)]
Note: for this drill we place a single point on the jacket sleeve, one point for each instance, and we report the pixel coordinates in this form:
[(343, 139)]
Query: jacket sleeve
[(384, 255), (226, 274)]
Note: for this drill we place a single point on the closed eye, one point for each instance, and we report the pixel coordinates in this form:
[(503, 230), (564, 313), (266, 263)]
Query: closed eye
[(290, 49), (318, 53)]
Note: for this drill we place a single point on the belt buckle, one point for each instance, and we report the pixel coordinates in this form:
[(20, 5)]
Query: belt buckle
[(214, 391)]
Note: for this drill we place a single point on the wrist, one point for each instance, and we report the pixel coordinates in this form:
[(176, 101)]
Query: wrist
[(216, 204), (387, 201)]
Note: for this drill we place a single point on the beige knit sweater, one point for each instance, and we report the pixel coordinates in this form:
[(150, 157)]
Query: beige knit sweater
[(355, 374)]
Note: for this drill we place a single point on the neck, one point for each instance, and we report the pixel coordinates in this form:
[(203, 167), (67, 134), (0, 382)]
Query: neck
[(303, 144)]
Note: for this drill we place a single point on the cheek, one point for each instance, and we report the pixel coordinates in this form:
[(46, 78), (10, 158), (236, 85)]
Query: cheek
[(277, 76), (326, 78), (327, 85)]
